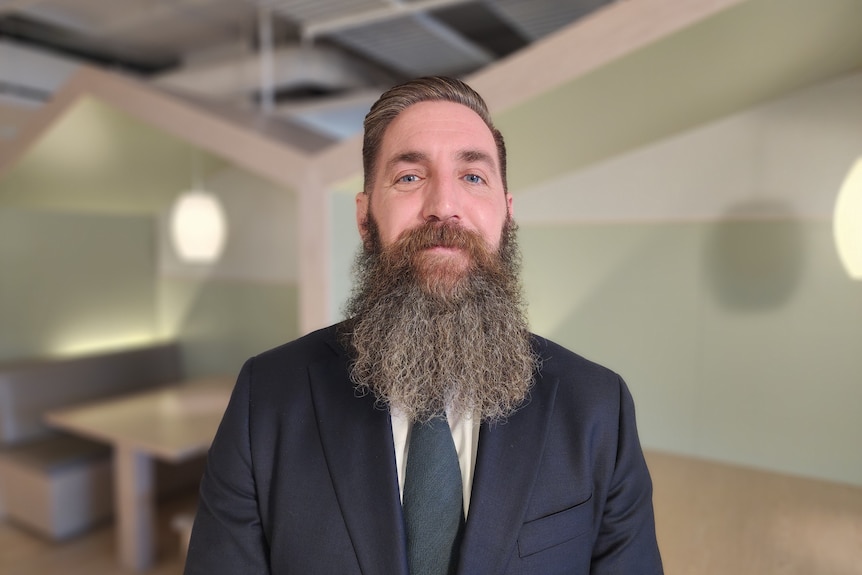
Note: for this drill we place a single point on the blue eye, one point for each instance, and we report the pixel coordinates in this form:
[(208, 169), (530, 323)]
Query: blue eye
[(409, 178), (474, 179)]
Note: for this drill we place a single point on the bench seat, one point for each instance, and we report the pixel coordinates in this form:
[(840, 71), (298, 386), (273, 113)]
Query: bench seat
[(57, 486)]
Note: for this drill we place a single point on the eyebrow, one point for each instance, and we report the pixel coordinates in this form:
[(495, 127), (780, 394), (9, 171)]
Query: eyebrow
[(407, 158), (468, 156), (471, 156)]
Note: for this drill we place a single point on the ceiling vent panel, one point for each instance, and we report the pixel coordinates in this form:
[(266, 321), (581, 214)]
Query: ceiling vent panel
[(538, 18), (415, 45)]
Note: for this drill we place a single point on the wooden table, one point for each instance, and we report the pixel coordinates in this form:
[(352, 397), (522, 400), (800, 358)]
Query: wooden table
[(172, 423)]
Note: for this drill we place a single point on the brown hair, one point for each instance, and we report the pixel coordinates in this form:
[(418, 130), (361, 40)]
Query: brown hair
[(427, 89)]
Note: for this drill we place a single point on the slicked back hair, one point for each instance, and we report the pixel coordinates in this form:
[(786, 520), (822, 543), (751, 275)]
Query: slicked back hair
[(427, 89)]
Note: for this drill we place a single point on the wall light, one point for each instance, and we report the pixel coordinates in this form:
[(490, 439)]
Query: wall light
[(198, 227), (847, 222)]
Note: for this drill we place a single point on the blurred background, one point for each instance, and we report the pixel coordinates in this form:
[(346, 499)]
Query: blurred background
[(675, 166)]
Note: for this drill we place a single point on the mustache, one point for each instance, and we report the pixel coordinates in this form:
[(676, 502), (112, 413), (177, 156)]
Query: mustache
[(433, 234)]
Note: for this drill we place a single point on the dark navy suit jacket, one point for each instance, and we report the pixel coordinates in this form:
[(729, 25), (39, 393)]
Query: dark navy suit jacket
[(301, 476)]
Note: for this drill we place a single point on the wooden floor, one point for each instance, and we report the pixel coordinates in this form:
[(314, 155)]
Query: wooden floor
[(712, 520), (23, 553), (725, 520)]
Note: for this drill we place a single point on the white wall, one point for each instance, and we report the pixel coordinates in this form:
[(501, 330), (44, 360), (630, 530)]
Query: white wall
[(792, 154)]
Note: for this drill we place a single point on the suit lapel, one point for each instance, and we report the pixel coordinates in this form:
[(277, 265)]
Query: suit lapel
[(506, 466), (357, 444)]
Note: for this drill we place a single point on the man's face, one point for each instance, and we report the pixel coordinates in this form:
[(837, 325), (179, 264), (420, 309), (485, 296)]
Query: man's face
[(437, 163)]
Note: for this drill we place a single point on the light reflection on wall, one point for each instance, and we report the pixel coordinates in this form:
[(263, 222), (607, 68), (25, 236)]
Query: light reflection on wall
[(75, 343)]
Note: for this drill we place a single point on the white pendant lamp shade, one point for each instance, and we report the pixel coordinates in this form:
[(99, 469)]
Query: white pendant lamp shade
[(847, 222), (198, 227)]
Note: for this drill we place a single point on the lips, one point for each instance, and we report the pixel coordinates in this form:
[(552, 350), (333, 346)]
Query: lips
[(443, 247)]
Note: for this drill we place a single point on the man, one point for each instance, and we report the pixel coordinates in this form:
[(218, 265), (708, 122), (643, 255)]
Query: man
[(316, 464)]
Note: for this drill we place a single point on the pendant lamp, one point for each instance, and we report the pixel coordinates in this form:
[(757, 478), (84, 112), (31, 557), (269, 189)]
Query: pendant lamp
[(198, 227)]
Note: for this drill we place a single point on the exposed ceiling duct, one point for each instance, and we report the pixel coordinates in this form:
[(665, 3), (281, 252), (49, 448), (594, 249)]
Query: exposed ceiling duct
[(315, 63)]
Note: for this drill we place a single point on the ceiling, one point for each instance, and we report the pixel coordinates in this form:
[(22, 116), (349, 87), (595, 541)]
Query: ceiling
[(312, 65)]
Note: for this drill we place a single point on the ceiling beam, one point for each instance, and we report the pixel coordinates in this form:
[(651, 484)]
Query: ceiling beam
[(150, 15), (11, 6), (313, 29)]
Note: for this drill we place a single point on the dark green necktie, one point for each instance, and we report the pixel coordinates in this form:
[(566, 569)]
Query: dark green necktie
[(433, 500)]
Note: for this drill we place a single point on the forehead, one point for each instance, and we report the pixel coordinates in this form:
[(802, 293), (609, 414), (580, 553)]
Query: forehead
[(429, 126)]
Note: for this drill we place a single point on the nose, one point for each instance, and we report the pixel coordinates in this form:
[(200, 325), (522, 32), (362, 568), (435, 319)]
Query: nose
[(442, 201)]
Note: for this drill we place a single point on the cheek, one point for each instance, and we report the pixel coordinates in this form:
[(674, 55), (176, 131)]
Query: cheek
[(493, 238), (391, 224), (492, 228)]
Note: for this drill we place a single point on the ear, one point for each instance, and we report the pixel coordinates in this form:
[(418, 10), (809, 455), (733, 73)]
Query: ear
[(362, 199), (509, 207)]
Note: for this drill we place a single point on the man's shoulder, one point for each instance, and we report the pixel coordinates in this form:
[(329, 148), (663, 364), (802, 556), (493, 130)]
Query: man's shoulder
[(585, 390), (321, 344), (562, 362)]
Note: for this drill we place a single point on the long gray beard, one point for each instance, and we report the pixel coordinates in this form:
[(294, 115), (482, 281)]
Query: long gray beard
[(421, 342)]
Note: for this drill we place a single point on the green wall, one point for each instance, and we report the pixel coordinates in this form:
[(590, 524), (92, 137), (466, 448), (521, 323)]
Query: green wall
[(96, 158), (75, 282), (344, 247), (739, 351), (702, 267), (223, 322), (86, 264)]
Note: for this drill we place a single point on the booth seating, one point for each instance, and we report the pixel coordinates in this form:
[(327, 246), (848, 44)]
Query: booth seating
[(54, 483)]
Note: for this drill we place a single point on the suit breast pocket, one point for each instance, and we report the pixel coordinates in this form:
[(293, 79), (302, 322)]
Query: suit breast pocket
[(555, 529)]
